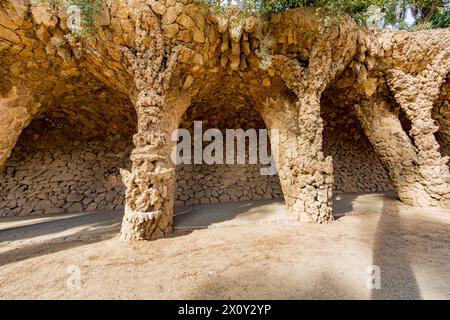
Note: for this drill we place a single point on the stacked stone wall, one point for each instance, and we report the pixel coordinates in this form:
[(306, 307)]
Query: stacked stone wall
[(67, 177), (57, 174)]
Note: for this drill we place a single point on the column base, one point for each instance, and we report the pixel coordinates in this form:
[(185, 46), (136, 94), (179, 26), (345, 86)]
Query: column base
[(144, 225), (312, 208)]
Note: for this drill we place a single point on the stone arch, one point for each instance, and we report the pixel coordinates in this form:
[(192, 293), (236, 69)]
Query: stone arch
[(67, 159), (305, 174), (225, 108), (356, 164)]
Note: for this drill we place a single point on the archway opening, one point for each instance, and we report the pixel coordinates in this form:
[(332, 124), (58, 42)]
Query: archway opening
[(226, 109), (67, 160), (356, 166)]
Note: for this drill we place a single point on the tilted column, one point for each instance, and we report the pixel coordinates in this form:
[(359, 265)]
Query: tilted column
[(17, 109), (395, 150), (415, 96), (305, 174)]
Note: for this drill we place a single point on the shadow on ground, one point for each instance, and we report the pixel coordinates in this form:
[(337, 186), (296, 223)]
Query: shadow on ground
[(404, 243), (88, 226), (391, 255), (63, 227)]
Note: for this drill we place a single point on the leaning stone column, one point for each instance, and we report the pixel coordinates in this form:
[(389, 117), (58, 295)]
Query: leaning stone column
[(393, 147), (395, 150), (17, 109), (306, 176), (416, 96)]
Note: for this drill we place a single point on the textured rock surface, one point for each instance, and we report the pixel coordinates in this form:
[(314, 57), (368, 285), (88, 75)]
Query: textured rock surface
[(164, 56), (68, 160), (44, 176), (74, 177)]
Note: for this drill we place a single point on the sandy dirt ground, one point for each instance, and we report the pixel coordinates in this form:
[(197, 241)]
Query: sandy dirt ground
[(276, 260)]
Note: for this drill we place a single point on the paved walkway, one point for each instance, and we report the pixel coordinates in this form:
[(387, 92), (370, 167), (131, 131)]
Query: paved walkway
[(102, 225)]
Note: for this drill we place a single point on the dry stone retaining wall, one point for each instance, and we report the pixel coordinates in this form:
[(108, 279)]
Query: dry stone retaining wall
[(356, 166), (203, 184), (72, 176), (76, 176), (356, 169)]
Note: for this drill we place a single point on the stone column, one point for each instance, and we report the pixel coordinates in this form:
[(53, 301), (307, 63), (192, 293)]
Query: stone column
[(17, 109), (150, 184), (398, 155), (305, 174), (416, 96)]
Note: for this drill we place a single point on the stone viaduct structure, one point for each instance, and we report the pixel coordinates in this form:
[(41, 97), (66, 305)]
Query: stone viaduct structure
[(162, 57)]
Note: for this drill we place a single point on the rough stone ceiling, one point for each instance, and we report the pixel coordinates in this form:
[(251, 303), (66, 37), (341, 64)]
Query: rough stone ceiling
[(48, 64), (100, 114)]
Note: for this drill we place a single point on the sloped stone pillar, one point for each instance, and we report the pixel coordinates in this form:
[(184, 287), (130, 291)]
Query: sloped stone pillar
[(305, 174), (412, 176), (415, 96), (17, 109), (150, 184)]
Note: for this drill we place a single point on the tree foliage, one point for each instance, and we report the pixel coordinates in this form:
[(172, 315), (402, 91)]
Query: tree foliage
[(396, 14)]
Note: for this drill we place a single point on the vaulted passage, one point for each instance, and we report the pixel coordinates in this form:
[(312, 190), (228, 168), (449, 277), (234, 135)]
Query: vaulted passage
[(68, 159), (212, 183), (305, 174), (356, 166)]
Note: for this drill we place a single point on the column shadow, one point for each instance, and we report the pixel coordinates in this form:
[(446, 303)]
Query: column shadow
[(391, 255)]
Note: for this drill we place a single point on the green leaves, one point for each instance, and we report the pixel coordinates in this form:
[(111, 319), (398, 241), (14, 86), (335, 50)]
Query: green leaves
[(441, 19), (396, 14)]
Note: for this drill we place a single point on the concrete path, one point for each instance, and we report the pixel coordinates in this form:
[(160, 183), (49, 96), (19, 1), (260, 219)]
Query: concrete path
[(102, 225)]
